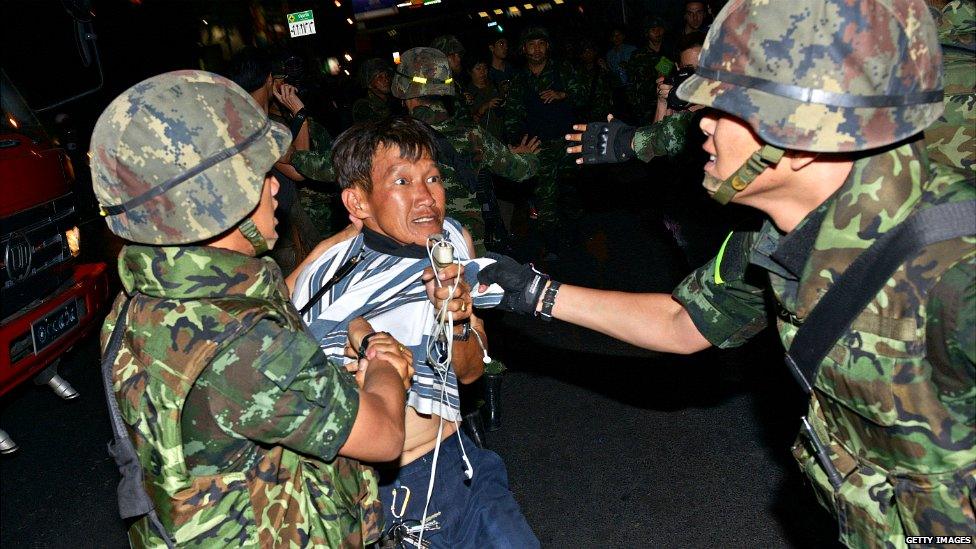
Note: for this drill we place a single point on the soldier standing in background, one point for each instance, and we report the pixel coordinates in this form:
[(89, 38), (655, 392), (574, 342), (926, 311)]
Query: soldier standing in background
[(951, 140), (827, 143), (644, 68), (375, 76), (231, 426), (542, 101), (464, 148)]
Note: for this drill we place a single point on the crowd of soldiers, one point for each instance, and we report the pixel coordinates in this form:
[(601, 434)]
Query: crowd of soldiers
[(849, 126)]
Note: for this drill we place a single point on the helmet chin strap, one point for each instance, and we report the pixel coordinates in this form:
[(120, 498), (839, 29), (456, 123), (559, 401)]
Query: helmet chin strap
[(766, 157), (253, 235)]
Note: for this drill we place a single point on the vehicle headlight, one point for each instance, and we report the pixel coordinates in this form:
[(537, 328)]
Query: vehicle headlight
[(73, 236)]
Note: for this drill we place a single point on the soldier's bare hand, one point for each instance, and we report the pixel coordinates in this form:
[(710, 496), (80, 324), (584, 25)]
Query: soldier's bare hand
[(401, 362), (527, 145), (548, 96), (459, 301), (663, 90), (287, 95)]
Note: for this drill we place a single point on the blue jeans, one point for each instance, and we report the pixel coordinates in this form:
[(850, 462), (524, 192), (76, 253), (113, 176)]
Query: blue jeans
[(480, 512)]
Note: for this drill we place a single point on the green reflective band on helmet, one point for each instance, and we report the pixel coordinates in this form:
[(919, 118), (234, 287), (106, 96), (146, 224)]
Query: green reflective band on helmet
[(765, 157), (718, 259), (253, 235)]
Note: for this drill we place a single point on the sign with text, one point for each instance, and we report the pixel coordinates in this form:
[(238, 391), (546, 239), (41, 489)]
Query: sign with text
[(301, 23)]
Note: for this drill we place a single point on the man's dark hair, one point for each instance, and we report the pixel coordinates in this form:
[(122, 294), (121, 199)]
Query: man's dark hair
[(690, 40), (249, 69), (353, 151)]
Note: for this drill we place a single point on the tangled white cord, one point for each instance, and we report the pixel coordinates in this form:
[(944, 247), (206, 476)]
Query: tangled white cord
[(442, 336)]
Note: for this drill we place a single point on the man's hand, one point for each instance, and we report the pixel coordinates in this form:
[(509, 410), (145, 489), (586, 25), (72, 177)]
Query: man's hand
[(549, 96), (459, 302), (287, 95), (382, 347), (523, 284), (488, 105), (602, 143), (527, 145), (663, 90)]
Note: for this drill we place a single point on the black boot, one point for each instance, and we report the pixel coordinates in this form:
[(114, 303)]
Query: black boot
[(493, 401)]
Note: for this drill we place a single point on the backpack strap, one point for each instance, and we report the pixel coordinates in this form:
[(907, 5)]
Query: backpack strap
[(865, 277), (133, 499)]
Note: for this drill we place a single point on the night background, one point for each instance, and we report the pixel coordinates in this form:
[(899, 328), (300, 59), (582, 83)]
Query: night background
[(606, 445)]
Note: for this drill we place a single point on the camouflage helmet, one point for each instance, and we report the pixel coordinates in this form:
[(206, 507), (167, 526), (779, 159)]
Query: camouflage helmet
[(448, 43), (370, 68), (423, 71), (533, 33), (182, 157), (828, 76)]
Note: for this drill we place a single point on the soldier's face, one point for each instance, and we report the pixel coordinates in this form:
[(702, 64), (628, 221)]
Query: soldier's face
[(689, 57), (499, 49), (263, 216), (407, 199), (694, 15), (381, 82), (454, 60), (537, 50), (729, 142), (655, 34), (616, 38)]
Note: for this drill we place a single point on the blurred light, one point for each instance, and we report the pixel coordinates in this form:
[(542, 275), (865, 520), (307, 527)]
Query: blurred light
[(73, 236), (499, 11), (528, 6), (429, 2), (493, 24), (346, 71), (500, 28), (333, 65), (558, 2), (396, 58), (205, 22), (348, 57), (338, 4), (13, 121), (514, 11), (483, 14), (349, 20)]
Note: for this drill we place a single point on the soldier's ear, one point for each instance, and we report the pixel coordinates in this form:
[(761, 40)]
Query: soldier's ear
[(354, 199), (800, 159)]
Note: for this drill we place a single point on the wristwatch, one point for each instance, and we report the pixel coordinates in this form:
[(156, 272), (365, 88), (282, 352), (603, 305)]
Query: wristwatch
[(465, 332), (549, 300), (364, 344)]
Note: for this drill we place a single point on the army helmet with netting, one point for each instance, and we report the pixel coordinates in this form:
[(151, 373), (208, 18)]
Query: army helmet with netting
[(423, 71), (181, 157), (370, 68), (823, 75), (448, 43)]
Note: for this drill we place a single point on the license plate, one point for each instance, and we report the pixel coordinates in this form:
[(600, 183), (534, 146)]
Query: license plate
[(48, 329)]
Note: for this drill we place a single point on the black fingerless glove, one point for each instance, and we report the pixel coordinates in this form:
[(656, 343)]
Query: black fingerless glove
[(523, 284), (608, 142)]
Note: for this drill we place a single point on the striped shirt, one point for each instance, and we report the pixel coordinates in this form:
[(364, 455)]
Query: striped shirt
[(387, 291)]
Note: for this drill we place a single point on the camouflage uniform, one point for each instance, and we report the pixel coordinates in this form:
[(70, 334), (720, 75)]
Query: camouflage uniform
[(951, 140), (665, 137), (894, 399), (473, 143), (597, 92), (234, 415), (248, 456), (318, 196), (525, 114), (642, 69), (371, 107)]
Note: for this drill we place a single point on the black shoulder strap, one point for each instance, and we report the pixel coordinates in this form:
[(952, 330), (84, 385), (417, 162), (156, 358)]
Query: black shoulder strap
[(133, 499), (340, 273), (862, 281)]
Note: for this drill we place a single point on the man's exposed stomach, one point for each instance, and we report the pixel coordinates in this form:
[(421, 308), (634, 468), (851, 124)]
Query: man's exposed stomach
[(421, 434)]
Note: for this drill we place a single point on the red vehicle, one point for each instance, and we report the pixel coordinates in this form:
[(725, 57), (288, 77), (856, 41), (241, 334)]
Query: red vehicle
[(48, 301)]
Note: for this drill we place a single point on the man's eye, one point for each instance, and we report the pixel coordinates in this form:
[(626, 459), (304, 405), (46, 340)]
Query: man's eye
[(401, 181), (434, 179)]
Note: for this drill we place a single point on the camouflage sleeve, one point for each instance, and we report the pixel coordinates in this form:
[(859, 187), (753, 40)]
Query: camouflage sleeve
[(575, 87), (665, 137), (321, 138), (725, 307), (501, 161), (514, 111), (951, 321), (361, 111), (274, 386), (603, 96)]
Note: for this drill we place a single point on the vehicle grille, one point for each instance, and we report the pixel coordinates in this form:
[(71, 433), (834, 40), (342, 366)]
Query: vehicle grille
[(34, 253)]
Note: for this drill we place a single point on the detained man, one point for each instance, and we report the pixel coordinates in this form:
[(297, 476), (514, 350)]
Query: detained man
[(390, 182)]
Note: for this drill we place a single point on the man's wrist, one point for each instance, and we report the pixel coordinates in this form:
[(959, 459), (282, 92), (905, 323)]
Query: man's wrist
[(538, 305), (548, 300)]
